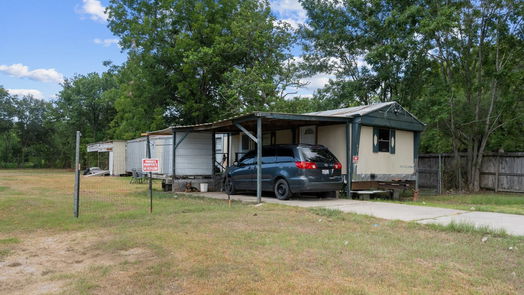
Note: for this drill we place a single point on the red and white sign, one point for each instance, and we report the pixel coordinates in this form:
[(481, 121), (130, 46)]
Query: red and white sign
[(355, 159), (150, 165)]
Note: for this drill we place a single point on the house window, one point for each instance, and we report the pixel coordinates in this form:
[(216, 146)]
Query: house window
[(218, 144), (245, 142), (383, 140)]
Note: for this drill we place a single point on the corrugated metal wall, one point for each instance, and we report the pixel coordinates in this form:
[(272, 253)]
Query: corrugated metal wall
[(135, 152), (193, 155)]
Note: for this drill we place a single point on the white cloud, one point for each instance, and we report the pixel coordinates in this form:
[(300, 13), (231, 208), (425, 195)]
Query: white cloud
[(289, 11), (105, 42), (42, 75), (23, 92), (94, 9), (317, 81)]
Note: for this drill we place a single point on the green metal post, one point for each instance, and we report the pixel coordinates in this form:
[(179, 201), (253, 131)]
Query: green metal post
[(76, 194), (150, 177), (173, 163), (348, 159), (213, 155), (259, 160)]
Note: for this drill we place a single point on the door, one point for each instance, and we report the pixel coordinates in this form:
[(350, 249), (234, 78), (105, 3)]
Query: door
[(269, 167), (308, 134), (243, 174)]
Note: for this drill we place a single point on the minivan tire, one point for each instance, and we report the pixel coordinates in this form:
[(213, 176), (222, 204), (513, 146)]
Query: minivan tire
[(229, 187), (282, 190)]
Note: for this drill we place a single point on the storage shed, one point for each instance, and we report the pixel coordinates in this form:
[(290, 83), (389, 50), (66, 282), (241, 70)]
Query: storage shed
[(377, 144), (117, 154)]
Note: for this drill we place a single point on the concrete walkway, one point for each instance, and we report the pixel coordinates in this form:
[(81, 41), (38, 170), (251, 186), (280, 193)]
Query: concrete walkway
[(512, 224)]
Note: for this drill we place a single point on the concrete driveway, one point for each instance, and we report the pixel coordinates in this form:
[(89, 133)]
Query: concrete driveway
[(512, 224)]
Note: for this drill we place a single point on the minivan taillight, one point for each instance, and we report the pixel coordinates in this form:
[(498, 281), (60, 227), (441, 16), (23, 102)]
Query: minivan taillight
[(306, 165), (338, 165)]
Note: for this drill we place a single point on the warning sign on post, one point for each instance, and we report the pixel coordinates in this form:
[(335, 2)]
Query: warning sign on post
[(150, 165)]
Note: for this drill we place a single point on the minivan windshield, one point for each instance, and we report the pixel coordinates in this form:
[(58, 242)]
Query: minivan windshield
[(317, 154)]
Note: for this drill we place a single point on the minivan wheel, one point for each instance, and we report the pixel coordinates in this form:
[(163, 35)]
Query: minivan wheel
[(282, 191), (229, 187)]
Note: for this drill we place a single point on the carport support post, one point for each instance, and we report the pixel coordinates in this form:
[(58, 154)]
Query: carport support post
[(213, 156), (76, 194), (150, 177), (349, 154), (259, 160)]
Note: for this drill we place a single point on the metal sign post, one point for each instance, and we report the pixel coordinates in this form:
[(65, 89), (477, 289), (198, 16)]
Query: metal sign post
[(150, 175), (76, 193)]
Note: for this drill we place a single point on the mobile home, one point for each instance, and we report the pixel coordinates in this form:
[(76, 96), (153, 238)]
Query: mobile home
[(377, 144)]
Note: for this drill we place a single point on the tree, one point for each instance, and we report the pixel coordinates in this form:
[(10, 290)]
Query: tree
[(371, 47), (85, 104), (198, 61), (478, 47), (7, 109), (33, 131), (458, 64)]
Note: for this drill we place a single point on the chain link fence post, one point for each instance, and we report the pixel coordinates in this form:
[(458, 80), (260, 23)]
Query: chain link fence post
[(76, 194)]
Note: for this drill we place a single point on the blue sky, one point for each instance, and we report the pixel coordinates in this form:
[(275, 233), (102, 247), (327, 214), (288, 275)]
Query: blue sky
[(44, 41)]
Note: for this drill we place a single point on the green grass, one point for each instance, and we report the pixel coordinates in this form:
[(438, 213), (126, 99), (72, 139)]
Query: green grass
[(9, 241), (470, 228), (203, 246), (332, 213), (486, 202)]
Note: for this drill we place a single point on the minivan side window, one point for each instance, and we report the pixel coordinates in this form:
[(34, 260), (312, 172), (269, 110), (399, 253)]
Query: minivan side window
[(285, 154), (248, 158), (269, 155)]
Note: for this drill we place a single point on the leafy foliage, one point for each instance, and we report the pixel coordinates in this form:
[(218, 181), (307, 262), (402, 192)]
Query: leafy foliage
[(197, 61)]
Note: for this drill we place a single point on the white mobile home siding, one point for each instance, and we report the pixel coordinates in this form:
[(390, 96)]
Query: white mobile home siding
[(119, 157), (399, 163), (334, 138)]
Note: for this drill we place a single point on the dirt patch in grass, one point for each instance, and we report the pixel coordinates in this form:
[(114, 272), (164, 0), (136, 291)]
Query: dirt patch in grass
[(46, 263)]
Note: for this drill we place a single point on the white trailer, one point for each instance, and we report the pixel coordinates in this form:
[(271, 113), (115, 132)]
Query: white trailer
[(117, 154)]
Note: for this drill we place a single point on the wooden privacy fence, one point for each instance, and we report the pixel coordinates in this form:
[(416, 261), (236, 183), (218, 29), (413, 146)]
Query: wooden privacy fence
[(499, 171)]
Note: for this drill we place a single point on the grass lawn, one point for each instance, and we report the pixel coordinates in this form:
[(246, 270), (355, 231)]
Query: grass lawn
[(191, 245), (489, 202)]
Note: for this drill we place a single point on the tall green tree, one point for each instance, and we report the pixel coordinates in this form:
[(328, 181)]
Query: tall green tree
[(34, 131), (478, 46), (458, 64), (198, 61), (371, 47), (86, 104), (7, 114)]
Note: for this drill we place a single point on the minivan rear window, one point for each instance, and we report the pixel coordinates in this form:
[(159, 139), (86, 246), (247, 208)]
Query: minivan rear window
[(317, 154)]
